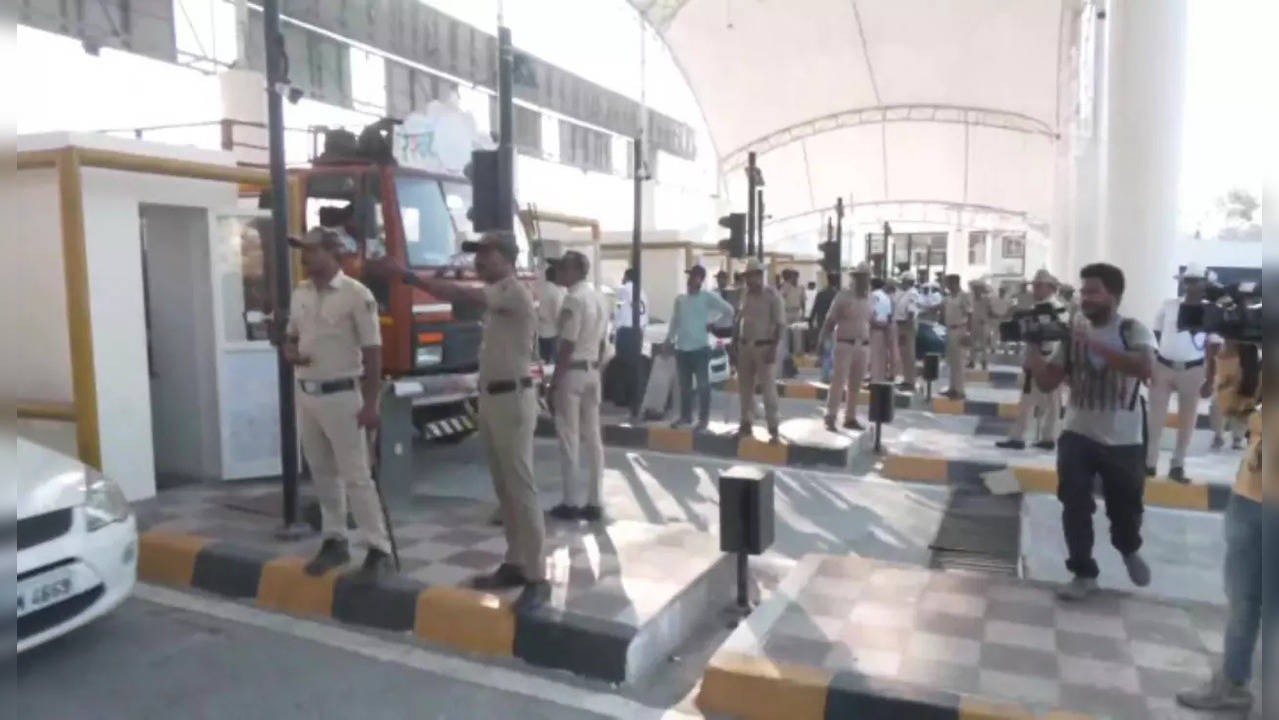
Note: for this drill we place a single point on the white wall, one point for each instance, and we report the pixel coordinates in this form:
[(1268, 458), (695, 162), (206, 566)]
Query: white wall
[(42, 363)]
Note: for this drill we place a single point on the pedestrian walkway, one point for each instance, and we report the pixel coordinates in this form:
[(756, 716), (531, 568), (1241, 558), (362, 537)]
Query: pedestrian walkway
[(852, 637)]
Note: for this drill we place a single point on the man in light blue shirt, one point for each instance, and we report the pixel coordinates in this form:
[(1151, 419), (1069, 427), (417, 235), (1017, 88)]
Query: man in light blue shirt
[(695, 311)]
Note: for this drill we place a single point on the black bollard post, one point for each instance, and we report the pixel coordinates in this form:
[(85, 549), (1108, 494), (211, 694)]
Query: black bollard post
[(932, 369), (881, 409), (745, 521)]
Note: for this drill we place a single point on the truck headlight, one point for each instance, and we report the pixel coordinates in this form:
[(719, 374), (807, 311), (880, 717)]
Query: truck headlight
[(104, 502), (428, 355)]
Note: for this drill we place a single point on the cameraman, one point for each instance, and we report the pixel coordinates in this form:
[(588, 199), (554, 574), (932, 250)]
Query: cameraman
[(1047, 404), (1104, 364), (1249, 588), (1185, 366)]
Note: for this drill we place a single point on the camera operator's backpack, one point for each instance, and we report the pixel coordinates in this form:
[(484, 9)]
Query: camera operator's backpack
[(1125, 329)]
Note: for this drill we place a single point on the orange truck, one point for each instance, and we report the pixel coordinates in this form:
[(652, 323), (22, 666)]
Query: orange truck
[(417, 212)]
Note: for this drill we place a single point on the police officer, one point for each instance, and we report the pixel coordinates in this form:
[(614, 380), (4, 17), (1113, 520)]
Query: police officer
[(848, 322), (575, 389), (334, 342), (761, 320), (1033, 398), (508, 408), (881, 319), (956, 315), (905, 311)]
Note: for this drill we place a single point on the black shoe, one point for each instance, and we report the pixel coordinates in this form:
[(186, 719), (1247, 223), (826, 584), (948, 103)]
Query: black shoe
[(1151, 472), (830, 424), (702, 425), (533, 596), (853, 425), (1011, 444), (984, 365), (506, 576), (1177, 473), (745, 430), (567, 513), (333, 554), (680, 423), (591, 513), (377, 565), (1046, 445)]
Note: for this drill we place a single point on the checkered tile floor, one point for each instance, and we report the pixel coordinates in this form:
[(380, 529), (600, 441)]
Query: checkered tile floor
[(623, 571), (1006, 640)]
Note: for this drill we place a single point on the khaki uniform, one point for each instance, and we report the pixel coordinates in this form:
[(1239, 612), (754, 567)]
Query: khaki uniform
[(955, 310), (1035, 402), (882, 348), (983, 314), (583, 321), (508, 417), (793, 305), (848, 322), (905, 312), (762, 318), (332, 324)]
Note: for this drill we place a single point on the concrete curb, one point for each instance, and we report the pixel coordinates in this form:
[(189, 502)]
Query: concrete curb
[(687, 441), (1160, 492), (461, 619)]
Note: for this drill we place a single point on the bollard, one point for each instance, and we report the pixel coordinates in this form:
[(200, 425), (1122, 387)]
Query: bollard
[(881, 408), (745, 519), (932, 370)]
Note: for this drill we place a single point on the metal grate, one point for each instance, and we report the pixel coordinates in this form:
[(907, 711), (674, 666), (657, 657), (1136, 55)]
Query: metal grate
[(54, 615), (39, 529)]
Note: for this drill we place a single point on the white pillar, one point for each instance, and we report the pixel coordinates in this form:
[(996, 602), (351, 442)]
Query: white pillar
[(1089, 178), (1145, 97)]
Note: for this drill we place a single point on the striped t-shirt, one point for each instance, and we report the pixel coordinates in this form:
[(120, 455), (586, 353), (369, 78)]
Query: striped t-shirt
[(1104, 403)]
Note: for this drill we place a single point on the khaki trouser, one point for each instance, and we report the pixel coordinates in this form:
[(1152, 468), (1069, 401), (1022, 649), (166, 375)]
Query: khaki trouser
[(906, 349), (1220, 423), (1164, 381), (507, 421), (1047, 405), (753, 369), (980, 353), (849, 369), (336, 450), (955, 357), (577, 424), (881, 355)]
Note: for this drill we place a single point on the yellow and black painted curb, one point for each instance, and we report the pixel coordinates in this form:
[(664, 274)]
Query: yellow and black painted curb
[(1160, 492), (812, 390), (722, 445), (461, 619), (753, 688)]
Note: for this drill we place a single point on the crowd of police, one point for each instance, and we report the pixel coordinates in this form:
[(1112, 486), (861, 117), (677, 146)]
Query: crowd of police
[(868, 331)]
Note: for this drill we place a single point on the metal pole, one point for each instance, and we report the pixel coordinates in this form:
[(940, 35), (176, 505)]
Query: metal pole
[(637, 352), (759, 226), (280, 254), (743, 576), (506, 126), (750, 204), (839, 230)]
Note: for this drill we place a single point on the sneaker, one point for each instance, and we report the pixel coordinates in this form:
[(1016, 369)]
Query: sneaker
[(1138, 570), (1218, 443), (534, 595), (1236, 444), (333, 554), (774, 437), (1011, 444), (1219, 693), (1177, 473), (1046, 445), (1078, 589), (377, 565), (567, 513), (591, 513), (506, 576)]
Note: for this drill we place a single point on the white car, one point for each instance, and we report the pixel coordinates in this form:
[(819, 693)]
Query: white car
[(77, 544), (717, 363)]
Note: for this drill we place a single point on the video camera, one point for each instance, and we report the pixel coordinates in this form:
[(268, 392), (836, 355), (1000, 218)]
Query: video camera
[(1039, 324), (1233, 312)]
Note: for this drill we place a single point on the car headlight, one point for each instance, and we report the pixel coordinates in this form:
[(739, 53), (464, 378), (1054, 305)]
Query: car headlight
[(104, 502)]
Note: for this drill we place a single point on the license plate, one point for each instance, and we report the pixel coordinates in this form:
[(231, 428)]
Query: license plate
[(47, 589)]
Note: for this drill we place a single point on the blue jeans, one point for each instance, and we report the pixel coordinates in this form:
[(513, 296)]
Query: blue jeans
[(692, 364), (1251, 533)]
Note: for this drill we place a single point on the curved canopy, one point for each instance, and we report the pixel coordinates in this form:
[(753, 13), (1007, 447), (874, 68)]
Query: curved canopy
[(953, 102)]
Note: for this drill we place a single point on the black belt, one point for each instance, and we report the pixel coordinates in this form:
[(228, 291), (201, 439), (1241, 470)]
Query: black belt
[(500, 387), (583, 365), (1178, 365), (326, 387), (853, 341)]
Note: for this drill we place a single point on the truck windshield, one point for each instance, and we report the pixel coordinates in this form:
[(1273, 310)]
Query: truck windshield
[(430, 224)]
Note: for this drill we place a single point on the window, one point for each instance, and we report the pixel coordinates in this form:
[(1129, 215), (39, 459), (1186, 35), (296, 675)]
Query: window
[(244, 270), (430, 231), (977, 248)]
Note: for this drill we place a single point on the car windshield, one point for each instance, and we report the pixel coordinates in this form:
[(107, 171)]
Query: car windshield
[(429, 221)]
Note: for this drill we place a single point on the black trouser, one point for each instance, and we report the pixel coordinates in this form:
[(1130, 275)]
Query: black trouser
[(546, 348), (1123, 480), (692, 364), (628, 339)]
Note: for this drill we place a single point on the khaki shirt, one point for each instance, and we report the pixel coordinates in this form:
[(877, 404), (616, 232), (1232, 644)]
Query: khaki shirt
[(793, 302), (956, 309), (583, 321), (761, 315), (510, 320), (982, 310), (332, 325), (849, 317)]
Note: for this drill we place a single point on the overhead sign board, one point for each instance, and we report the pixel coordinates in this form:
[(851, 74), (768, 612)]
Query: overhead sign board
[(439, 139)]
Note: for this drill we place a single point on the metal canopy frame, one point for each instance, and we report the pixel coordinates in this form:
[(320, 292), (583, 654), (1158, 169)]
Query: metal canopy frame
[(884, 114)]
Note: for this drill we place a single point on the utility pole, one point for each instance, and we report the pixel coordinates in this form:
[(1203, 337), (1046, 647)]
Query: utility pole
[(277, 83), (637, 257), (506, 126), (839, 229), (750, 204), (759, 228)]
